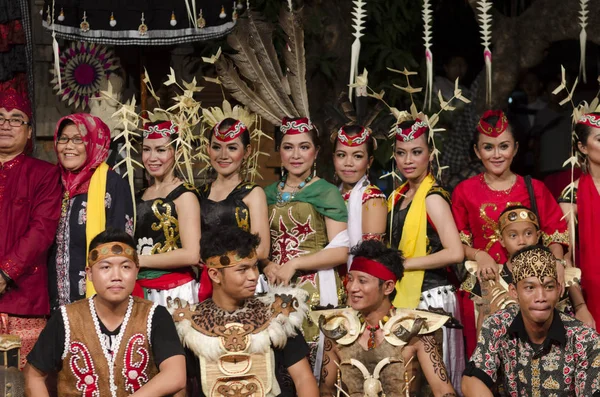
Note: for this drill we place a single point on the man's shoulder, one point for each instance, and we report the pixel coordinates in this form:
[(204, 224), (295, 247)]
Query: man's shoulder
[(501, 320), (38, 166), (576, 330)]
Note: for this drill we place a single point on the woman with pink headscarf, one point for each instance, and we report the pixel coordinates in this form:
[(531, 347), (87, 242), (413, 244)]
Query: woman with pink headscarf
[(95, 198)]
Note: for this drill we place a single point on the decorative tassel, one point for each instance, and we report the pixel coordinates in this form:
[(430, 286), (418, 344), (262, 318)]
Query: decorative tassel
[(359, 14), (583, 16), (427, 17), (485, 19)]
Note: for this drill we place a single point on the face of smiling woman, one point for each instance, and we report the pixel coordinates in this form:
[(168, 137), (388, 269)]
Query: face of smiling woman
[(497, 153), (72, 153), (298, 153)]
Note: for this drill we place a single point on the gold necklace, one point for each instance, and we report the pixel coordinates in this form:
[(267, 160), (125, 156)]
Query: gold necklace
[(505, 191)]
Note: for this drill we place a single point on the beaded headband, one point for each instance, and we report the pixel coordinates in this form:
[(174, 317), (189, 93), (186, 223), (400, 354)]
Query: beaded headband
[(355, 139), (373, 268), (591, 120), (496, 130), (294, 127), (235, 130), (536, 262), (518, 215), (161, 130), (411, 133), (109, 250), (231, 259)]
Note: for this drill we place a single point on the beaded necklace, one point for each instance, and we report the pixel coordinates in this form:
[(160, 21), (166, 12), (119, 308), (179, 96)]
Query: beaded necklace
[(285, 197)]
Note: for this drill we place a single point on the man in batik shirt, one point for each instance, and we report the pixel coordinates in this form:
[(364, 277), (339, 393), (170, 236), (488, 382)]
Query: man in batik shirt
[(30, 195), (540, 351)]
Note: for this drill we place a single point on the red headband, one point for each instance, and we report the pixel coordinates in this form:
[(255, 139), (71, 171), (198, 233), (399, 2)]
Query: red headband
[(355, 140), (493, 131), (293, 127), (161, 130), (591, 120), (411, 133), (374, 268), (236, 129), (10, 99)]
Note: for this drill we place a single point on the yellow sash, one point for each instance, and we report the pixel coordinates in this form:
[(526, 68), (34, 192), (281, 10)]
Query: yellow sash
[(96, 214), (413, 244)]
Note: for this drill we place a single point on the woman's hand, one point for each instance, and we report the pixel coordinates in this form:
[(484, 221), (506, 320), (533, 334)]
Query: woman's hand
[(286, 271), (270, 271), (487, 268), (560, 274), (583, 314)]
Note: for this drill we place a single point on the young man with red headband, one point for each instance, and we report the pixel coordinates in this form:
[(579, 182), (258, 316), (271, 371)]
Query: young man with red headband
[(373, 344), (111, 344)]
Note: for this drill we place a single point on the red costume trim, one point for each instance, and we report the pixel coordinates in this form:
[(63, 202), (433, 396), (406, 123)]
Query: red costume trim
[(413, 132), (87, 378), (374, 268), (135, 373), (231, 133), (294, 127), (161, 130), (496, 130), (590, 120)]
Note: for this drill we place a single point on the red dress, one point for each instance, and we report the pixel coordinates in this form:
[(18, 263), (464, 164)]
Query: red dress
[(476, 209)]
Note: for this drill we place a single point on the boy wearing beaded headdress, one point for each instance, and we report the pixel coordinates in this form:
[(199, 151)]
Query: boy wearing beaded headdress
[(244, 345), (538, 349), (111, 344), (518, 227), (374, 343)]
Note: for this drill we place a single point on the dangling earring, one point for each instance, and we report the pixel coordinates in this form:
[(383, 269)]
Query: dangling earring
[(282, 172), (244, 170), (314, 174), (336, 178)]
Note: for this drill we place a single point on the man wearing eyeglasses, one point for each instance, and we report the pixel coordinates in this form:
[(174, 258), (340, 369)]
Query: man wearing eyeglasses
[(30, 195)]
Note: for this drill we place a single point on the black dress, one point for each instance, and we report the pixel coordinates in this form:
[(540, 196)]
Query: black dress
[(231, 211), (435, 277), (66, 264)]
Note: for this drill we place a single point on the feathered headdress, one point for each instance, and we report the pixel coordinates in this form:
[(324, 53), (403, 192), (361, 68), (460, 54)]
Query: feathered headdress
[(272, 93)]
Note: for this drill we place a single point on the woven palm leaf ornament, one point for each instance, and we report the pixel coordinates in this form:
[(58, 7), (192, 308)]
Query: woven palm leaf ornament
[(427, 18), (213, 115), (583, 17), (82, 69), (359, 14), (485, 22)]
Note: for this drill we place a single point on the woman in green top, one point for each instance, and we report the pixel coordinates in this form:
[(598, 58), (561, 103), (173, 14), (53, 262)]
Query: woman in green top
[(308, 221)]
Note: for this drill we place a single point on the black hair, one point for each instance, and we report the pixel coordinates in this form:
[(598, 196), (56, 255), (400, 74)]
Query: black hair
[(64, 124), (408, 124), (313, 133), (530, 248), (583, 131), (220, 241), (391, 258), (353, 130), (492, 120), (225, 124)]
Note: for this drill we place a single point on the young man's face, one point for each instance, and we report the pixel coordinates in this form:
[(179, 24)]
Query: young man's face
[(537, 299), (239, 281), (113, 278), (519, 235), (365, 293)]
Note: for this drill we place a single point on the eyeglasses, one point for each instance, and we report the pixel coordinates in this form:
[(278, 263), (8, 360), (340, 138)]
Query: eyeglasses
[(63, 140), (13, 122)]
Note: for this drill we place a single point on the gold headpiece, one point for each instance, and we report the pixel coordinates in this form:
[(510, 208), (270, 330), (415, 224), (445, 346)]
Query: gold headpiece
[(230, 259), (536, 262), (518, 215), (108, 250)]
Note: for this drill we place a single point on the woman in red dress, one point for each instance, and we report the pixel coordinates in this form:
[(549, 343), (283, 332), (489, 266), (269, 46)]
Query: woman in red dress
[(583, 202), (478, 202)]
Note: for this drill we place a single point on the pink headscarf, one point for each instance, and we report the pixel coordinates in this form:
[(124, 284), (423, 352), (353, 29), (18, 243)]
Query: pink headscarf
[(96, 136)]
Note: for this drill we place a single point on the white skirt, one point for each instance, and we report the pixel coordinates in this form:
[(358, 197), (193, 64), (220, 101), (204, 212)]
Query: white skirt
[(187, 292), (454, 345)]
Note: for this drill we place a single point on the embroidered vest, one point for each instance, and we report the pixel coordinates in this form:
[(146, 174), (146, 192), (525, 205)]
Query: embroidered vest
[(87, 371), (236, 349)]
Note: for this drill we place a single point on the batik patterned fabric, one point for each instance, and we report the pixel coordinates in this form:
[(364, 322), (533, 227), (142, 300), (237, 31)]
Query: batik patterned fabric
[(26, 328), (231, 211), (566, 364)]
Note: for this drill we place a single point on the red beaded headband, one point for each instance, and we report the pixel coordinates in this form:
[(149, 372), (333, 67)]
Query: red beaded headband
[(161, 130), (493, 131), (591, 120), (411, 133), (231, 133), (355, 140), (293, 127)]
